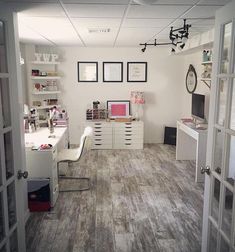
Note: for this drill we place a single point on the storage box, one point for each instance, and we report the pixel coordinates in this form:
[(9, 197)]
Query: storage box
[(39, 195)]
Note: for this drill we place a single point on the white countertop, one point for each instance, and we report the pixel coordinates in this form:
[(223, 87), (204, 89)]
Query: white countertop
[(41, 137)]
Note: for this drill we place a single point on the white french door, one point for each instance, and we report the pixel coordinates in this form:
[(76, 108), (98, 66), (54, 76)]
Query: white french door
[(12, 233), (219, 205)]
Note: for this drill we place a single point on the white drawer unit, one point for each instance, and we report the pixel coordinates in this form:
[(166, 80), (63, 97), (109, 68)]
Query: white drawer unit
[(117, 135), (128, 135), (102, 135)]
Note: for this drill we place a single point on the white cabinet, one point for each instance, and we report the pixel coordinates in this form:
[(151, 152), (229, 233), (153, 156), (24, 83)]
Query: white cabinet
[(117, 135)]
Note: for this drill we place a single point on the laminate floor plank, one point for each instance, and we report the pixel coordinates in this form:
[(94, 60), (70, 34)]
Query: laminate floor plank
[(140, 200)]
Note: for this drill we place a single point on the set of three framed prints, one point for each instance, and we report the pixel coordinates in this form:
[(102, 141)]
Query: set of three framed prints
[(112, 71)]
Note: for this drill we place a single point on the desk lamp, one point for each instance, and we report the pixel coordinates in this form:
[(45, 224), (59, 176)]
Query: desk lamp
[(137, 98)]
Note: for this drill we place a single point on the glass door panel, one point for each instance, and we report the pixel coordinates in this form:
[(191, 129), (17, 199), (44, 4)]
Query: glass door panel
[(2, 229), (222, 100), (226, 50), (8, 155), (5, 102), (224, 246), (215, 200), (3, 249), (230, 166), (213, 237), (11, 204), (3, 58), (218, 152), (227, 212), (232, 114), (14, 242)]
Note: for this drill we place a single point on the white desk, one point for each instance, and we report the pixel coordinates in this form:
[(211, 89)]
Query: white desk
[(191, 145), (43, 164)]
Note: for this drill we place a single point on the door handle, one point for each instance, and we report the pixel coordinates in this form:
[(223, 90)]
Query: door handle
[(206, 170), (24, 174)]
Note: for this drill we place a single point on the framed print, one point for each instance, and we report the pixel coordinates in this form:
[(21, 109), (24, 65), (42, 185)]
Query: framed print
[(118, 109), (112, 72), (137, 71), (87, 71)]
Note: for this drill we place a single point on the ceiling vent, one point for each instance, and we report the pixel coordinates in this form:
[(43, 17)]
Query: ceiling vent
[(99, 30)]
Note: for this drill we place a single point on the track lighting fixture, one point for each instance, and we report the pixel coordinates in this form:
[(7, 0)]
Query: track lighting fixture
[(178, 36)]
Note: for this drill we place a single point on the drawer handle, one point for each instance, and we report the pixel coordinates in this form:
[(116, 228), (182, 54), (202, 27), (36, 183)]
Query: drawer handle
[(98, 139), (97, 135), (128, 131), (128, 134), (128, 123), (97, 127), (98, 144), (127, 143), (97, 123), (98, 131), (128, 127), (129, 139)]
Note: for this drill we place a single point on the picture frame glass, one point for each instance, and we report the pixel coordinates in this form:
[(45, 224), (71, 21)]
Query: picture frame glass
[(118, 109), (87, 71), (137, 71), (112, 71)]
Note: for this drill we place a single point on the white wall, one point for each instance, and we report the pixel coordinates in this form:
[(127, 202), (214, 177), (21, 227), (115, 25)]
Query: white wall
[(195, 59), (163, 90)]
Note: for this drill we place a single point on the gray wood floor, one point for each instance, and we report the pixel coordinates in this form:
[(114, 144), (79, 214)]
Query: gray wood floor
[(140, 200)]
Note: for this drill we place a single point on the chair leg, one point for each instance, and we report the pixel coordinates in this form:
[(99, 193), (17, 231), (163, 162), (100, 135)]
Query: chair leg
[(76, 190)]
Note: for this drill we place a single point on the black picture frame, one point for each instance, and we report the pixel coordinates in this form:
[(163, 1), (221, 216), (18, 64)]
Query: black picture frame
[(120, 102), (84, 75), (137, 71), (112, 71), (191, 79)]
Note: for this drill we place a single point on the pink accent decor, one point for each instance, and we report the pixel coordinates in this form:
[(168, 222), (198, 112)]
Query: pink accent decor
[(137, 97), (118, 110)]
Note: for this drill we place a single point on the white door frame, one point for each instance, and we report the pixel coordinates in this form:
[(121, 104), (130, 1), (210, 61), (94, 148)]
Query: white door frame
[(220, 19), (15, 83)]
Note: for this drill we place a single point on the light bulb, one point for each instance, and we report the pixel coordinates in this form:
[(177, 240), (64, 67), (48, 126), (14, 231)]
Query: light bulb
[(184, 40)]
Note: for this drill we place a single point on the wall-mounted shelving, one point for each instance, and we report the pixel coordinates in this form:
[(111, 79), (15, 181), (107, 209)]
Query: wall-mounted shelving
[(44, 83), (207, 68)]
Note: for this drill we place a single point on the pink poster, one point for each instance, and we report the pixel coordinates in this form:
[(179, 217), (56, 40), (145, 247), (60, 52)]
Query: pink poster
[(118, 109)]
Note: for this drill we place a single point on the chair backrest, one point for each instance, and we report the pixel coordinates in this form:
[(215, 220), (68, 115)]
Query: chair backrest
[(85, 142)]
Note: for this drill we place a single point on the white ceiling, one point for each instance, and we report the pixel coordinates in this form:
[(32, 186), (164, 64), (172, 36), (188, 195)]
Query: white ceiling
[(67, 22)]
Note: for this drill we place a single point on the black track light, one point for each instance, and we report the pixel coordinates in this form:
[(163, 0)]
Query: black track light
[(177, 36), (182, 46)]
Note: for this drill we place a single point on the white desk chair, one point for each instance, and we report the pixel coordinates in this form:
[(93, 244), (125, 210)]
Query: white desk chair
[(74, 155)]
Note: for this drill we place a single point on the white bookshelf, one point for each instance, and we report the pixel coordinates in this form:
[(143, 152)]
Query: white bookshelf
[(45, 77), (46, 92), (45, 62)]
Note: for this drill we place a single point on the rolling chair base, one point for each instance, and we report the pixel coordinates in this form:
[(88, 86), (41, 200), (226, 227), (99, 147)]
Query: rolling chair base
[(76, 190)]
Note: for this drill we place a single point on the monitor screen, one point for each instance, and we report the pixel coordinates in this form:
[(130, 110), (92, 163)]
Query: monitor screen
[(198, 105)]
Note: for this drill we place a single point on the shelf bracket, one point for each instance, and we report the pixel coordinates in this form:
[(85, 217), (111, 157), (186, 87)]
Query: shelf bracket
[(208, 83)]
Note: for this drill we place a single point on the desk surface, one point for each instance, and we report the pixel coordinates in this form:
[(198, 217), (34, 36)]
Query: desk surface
[(41, 137)]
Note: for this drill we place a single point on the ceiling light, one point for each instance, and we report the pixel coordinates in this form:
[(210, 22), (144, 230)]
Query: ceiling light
[(182, 46), (99, 30), (145, 2), (184, 40), (144, 49), (173, 46)]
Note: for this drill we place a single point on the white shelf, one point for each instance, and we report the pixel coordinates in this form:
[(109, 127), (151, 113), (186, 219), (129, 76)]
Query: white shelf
[(46, 92), (45, 62), (46, 107), (45, 77), (206, 62)]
